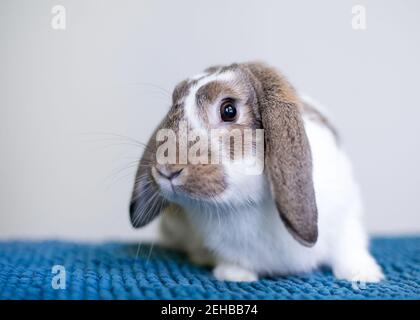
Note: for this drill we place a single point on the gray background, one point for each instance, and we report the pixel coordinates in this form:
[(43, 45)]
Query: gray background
[(64, 93)]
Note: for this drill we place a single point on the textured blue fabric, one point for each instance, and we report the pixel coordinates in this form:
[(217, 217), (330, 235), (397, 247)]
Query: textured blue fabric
[(127, 271)]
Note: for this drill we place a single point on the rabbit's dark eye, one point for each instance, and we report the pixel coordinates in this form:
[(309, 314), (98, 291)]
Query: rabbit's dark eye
[(228, 111)]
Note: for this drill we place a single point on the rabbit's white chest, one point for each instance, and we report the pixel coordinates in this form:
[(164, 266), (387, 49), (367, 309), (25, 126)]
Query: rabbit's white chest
[(257, 239)]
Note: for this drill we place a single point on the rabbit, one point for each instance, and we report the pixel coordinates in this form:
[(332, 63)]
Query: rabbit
[(301, 212)]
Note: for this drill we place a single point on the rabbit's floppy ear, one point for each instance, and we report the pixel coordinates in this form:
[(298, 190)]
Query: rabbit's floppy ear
[(288, 160), (146, 201)]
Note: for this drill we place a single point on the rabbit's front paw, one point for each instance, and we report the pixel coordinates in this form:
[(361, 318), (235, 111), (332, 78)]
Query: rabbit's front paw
[(231, 272), (362, 270)]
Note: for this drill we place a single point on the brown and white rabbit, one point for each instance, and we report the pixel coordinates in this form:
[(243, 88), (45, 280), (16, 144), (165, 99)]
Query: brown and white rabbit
[(303, 211)]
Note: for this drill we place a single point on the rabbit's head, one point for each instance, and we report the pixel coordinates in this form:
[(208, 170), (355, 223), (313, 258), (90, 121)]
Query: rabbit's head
[(232, 133)]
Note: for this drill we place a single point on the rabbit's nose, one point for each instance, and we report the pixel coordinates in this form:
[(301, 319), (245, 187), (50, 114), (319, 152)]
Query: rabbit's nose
[(169, 173)]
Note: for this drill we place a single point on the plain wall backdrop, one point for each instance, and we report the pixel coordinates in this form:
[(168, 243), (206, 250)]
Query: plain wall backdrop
[(65, 95)]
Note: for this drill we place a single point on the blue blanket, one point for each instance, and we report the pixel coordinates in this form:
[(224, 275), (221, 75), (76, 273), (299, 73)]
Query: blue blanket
[(130, 271)]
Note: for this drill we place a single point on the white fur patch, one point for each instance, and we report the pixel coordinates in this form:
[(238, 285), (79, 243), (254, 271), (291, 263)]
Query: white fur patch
[(190, 106), (230, 272)]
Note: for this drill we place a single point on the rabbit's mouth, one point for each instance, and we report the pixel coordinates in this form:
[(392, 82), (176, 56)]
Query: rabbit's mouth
[(166, 181), (171, 182)]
